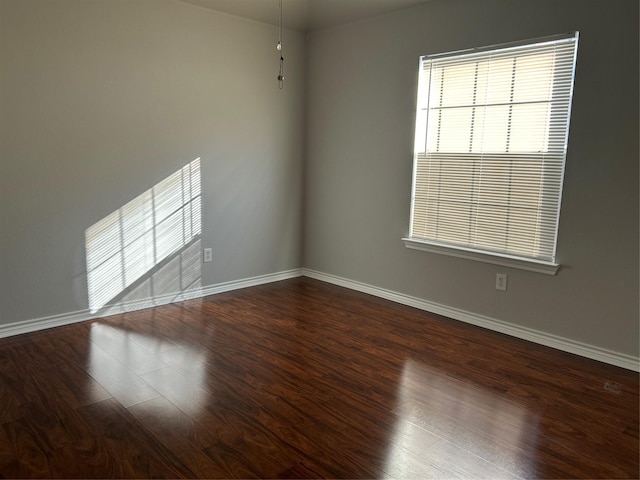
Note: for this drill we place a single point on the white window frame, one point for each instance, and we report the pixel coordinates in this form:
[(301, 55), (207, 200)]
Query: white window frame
[(547, 265)]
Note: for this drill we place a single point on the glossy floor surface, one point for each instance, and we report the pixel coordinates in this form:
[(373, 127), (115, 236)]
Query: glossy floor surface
[(301, 379)]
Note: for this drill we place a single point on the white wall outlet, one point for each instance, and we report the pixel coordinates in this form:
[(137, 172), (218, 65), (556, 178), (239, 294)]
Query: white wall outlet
[(208, 255), (501, 281)]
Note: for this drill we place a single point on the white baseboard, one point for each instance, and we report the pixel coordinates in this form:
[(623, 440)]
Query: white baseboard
[(28, 326), (43, 323), (571, 346), (251, 282), (567, 345)]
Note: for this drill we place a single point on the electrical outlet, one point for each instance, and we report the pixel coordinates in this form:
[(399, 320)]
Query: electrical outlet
[(501, 281), (208, 255)]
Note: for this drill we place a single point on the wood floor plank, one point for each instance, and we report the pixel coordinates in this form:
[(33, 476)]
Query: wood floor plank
[(117, 378), (8, 455), (126, 450), (302, 379), (184, 436), (305, 469), (31, 452), (28, 378)]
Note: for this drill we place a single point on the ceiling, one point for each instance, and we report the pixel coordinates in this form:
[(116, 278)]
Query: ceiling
[(306, 15)]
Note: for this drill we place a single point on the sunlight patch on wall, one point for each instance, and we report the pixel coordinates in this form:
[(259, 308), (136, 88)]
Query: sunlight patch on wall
[(177, 278), (127, 244)]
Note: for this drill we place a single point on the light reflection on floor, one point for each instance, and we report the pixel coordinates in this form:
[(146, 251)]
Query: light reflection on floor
[(135, 368), (458, 427)]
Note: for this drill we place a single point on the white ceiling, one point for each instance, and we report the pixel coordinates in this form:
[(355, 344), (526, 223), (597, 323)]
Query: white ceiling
[(306, 15)]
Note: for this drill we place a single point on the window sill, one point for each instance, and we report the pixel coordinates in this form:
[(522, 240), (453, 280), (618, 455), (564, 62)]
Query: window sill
[(548, 268)]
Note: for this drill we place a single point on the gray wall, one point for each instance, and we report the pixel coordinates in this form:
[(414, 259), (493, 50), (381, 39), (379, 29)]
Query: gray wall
[(101, 99), (361, 102)]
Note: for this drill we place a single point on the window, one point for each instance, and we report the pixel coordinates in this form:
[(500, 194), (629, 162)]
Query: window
[(490, 149)]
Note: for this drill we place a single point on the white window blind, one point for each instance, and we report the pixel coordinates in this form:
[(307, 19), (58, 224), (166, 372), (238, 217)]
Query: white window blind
[(490, 147)]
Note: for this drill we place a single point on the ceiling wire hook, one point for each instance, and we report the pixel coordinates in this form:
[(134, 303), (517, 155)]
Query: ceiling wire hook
[(279, 48)]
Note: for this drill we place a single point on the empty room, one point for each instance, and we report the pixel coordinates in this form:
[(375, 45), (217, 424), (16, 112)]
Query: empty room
[(319, 239)]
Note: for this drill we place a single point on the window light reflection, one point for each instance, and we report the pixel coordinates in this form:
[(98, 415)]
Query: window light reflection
[(135, 368), (453, 426)]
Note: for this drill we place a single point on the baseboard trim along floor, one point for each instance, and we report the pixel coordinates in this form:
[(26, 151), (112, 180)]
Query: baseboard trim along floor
[(564, 344), (535, 336), (28, 326)]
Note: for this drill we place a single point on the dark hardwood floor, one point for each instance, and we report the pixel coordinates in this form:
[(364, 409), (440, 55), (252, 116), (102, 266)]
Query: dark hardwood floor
[(302, 379)]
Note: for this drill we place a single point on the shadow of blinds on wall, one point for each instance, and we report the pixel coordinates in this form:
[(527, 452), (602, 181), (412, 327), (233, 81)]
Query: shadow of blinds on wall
[(125, 245)]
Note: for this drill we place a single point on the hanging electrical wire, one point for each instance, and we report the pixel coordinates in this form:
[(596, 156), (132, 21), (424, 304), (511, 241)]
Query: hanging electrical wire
[(279, 48)]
